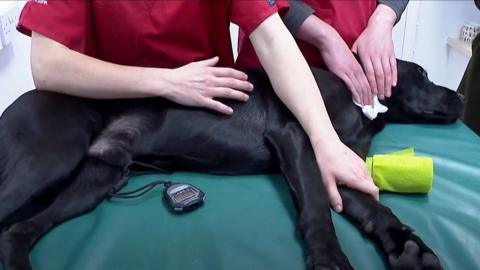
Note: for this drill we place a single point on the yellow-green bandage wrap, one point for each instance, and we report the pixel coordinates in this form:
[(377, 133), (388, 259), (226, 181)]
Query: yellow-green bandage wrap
[(401, 172)]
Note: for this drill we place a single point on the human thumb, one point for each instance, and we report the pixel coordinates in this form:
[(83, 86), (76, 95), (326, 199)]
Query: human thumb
[(209, 62), (334, 196)]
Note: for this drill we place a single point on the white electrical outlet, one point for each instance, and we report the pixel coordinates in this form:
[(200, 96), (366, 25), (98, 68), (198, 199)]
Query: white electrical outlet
[(8, 23)]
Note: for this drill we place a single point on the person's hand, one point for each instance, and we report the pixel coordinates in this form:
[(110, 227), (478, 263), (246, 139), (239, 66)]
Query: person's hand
[(377, 55), (341, 166), (340, 60), (198, 84)]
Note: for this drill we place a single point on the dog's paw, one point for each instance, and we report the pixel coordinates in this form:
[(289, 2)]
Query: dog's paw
[(404, 249), (414, 255)]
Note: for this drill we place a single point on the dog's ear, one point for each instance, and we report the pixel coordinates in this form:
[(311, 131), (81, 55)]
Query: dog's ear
[(418, 100)]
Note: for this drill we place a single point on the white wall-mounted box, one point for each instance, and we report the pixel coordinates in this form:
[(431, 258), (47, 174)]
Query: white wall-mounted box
[(8, 21)]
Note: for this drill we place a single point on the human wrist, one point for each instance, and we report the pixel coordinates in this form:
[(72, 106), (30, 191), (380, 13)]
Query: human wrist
[(154, 81), (324, 138), (316, 32), (323, 34), (383, 15)]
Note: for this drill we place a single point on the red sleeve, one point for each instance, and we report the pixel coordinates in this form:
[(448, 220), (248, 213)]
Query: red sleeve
[(250, 14), (65, 21)]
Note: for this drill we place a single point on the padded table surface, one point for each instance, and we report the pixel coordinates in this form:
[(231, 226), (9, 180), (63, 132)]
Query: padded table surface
[(247, 222)]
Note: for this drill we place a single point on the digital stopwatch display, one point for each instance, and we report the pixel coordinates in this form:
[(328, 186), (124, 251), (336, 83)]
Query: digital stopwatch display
[(183, 194), (183, 197)]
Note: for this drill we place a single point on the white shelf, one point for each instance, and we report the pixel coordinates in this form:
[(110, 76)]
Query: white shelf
[(460, 46)]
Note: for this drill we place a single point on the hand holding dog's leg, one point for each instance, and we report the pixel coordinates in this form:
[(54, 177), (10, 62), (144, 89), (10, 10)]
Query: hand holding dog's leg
[(300, 169), (353, 172), (276, 50)]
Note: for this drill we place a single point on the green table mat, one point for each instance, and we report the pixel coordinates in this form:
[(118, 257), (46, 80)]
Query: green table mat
[(247, 222)]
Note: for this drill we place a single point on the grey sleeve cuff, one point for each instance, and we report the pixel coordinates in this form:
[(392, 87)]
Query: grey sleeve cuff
[(398, 6), (296, 15)]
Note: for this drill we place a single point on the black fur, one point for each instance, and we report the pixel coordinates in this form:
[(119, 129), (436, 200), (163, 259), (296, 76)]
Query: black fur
[(75, 149)]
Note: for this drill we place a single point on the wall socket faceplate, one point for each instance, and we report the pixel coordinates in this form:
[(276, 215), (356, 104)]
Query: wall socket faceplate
[(8, 23)]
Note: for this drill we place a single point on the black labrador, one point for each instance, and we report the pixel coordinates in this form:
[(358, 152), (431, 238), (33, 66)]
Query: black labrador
[(60, 156)]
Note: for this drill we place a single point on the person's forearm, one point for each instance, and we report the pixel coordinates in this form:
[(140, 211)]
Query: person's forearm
[(294, 85), (299, 12), (316, 32), (59, 69)]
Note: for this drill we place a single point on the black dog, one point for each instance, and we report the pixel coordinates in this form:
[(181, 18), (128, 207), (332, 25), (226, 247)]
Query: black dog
[(73, 151)]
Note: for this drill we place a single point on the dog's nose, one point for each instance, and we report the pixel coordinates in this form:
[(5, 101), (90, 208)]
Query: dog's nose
[(461, 97)]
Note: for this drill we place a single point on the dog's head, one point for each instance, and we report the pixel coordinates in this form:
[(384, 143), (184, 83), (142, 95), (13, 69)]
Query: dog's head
[(416, 99)]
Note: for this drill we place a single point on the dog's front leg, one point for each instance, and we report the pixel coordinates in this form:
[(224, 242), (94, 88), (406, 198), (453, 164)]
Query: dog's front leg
[(404, 249), (88, 188), (299, 166)]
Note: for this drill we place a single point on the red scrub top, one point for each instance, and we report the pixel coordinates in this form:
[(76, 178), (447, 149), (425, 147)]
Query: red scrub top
[(146, 33), (349, 18)]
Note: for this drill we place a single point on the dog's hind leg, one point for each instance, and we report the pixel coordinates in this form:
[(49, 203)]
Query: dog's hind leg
[(299, 166), (88, 189), (404, 249), (43, 137), (125, 133)]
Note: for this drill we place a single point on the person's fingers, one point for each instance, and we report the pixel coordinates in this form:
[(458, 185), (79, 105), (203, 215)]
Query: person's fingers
[(236, 84), (355, 93), (364, 186), (370, 74), (216, 106), (366, 94), (208, 62), (387, 70), (393, 66), (223, 92), (230, 73), (355, 47), (333, 195), (379, 77), (359, 89), (362, 78), (362, 171)]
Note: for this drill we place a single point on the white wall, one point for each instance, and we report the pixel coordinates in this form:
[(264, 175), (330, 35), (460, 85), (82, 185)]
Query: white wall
[(234, 38), (15, 75), (426, 39)]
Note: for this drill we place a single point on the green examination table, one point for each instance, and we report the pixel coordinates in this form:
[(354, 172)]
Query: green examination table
[(248, 222)]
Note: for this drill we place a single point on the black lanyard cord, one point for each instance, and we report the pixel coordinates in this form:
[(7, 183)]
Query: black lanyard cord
[(135, 193)]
